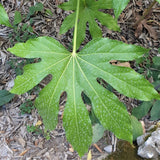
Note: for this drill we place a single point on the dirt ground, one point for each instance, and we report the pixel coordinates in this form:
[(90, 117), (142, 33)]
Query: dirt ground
[(15, 141)]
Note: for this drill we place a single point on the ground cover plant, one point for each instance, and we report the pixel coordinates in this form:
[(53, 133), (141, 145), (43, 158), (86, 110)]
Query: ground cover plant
[(77, 72), (152, 70)]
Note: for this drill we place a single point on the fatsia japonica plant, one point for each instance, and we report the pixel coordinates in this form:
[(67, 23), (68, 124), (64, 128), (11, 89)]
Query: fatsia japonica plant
[(76, 72)]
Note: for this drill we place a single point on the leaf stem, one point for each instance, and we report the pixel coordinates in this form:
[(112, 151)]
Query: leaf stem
[(75, 29)]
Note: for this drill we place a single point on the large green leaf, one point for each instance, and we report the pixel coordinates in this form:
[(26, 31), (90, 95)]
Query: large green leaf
[(88, 12), (4, 17), (158, 1), (119, 6), (77, 72)]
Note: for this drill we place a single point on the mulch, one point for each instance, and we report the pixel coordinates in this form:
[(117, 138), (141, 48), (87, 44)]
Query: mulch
[(16, 143)]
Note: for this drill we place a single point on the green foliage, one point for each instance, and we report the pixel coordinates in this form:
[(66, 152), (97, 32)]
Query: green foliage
[(153, 70), (18, 65), (155, 112), (145, 107), (98, 131), (27, 107), (4, 19), (142, 109), (81, 72), (48, 12), (47, 135), (38, 131), (88, 12), (156, 61), (17, 18), (5, 97), (158, 1), (33, 9), (34, 129), (78, 72), (22, 30), (137, 127), (119, 6)]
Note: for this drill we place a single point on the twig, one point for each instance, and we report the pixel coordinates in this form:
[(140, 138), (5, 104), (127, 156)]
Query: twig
[(147, 11), (98, 148)]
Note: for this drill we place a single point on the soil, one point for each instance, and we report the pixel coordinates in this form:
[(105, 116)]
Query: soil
[(15, 141)]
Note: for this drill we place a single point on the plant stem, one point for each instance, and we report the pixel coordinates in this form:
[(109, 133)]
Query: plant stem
[(146, 12), (75, 29)]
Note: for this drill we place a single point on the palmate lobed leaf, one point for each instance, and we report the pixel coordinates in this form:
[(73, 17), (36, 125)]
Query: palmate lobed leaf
[(4, 19), (78, 72), (88, 12)]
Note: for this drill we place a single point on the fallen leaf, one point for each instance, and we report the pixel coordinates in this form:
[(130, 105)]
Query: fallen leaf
[(39, 122), (89, 156), (143, 126), (24, 152), (124, 64), (150, 30), (71, 148)]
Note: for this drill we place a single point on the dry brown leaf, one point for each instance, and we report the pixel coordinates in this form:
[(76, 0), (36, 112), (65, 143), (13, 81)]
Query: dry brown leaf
[(71, 148), (39, 122), (89, 156), (143, 126), (150, 30), (124, 64), (24, 152), (113, 61), (138, 30)]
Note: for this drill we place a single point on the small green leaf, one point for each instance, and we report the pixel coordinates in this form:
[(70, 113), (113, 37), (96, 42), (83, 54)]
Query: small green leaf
[(137, 128), (49, 12), (24, 27), (155, 112), (88, 12), (98, 132), (5, 97), (38, 7), (142, 109), (156, 85), (119, 6), (156, 61), (32, 10), (17, 18), (30, 29), (4, 19)]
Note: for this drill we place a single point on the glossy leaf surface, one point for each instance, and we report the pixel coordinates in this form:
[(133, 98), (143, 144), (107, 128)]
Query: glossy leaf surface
[(88, 13), (77, 72), (4, 19)]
